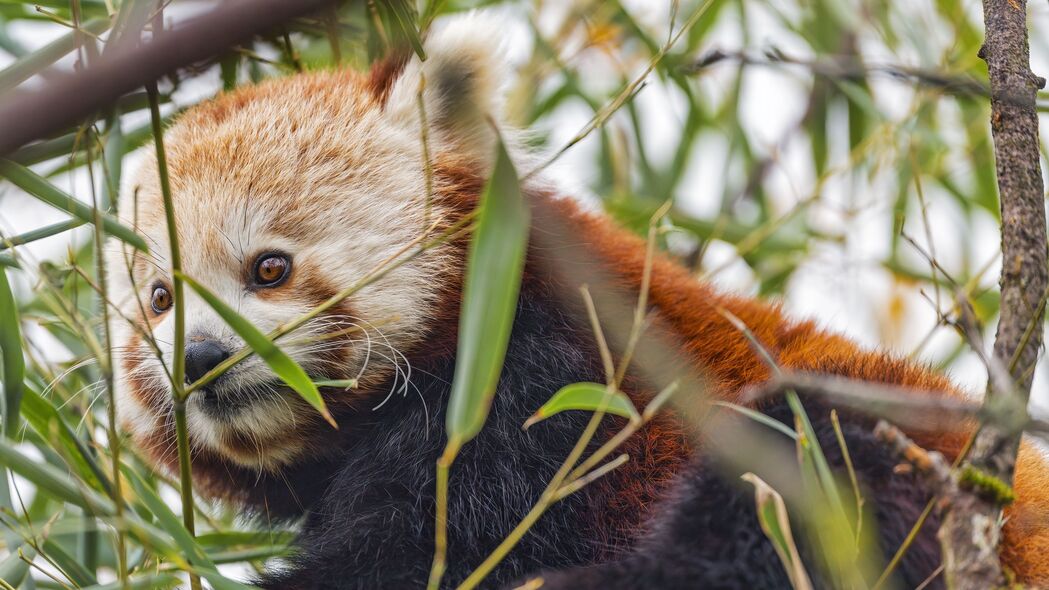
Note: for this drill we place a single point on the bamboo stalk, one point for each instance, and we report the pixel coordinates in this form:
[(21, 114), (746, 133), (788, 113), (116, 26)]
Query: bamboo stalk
[(178, 372)]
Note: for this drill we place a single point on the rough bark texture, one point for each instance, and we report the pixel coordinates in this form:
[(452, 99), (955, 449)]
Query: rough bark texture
[(970, 532)]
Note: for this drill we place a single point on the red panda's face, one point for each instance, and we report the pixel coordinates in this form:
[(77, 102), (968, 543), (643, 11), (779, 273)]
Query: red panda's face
[(284, 194)]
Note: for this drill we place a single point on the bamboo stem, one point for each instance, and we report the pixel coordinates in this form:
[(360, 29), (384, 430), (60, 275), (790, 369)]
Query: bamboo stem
[(178, 372)]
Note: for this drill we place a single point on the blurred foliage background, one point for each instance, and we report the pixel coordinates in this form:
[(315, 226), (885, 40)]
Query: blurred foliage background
[(824, 152)]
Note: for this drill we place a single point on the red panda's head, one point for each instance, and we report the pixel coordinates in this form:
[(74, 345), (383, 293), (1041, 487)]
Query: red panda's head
[(284, 194)]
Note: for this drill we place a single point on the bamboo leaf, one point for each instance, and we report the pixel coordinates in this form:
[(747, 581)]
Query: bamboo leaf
[(254, 553), (39, 187), (229, 66), (30, 64), (38, 234), (493, 278), (167, 520), (149, 582), (772, 514), (585, 396), (227, 539), (403, 15), (172, 524), (113, 161), (11, 349), (760, 418), (49, 479), (281, 364), (13, 569), (42, 415), (339, 383), (69, 565)]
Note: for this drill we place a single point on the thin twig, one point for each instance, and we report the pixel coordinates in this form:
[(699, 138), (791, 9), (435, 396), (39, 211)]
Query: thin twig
[(178, 361), (846, 68), (602, 116), (106, 369)]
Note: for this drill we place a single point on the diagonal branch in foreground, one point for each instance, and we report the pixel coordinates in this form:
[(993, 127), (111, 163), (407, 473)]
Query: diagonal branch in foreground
[(68, 99)]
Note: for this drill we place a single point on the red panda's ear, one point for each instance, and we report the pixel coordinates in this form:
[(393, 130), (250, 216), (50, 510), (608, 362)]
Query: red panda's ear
[(461, 81)]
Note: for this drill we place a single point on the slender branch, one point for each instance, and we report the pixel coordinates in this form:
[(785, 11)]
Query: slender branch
[(106, 368), (40, 113), (971, 524), (847, 68), (178, 360)]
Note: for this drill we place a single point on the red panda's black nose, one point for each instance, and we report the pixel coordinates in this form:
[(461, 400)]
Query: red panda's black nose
[(203, 356)]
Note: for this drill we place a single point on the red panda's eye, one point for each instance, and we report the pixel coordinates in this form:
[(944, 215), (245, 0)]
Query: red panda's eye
[(271, 269), (161, 299)]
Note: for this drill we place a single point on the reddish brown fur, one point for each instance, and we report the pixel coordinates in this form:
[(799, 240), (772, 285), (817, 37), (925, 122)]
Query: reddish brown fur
[(687, 311), (385, 72), (719, 348)]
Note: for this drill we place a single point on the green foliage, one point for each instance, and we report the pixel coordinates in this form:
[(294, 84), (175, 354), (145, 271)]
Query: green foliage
[(586, 396), (493, 276), (40, 188), (288, 370), (495, 263), (11, 353), (891, 130)]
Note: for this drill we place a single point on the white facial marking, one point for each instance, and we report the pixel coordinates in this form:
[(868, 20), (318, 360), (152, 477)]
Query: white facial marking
[(313, 167)]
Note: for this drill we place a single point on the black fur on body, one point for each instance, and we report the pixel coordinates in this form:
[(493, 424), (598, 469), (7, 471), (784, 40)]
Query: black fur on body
[(369, 513), (708, 535)]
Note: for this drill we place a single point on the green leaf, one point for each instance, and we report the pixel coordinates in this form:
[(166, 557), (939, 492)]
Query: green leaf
[(39, 187), (32, 63), (48, 422), (11, 349), (51, 480), (167, 520), (172, 524), (493, 278), (13, 569), (227, 539), (288, 370), (40, 233), (229, 66), (772, 514), (340, 383), (149, 582), (113, 161), (585, 396), (403, 15), (68, 564), (255, 553), (760, 418)]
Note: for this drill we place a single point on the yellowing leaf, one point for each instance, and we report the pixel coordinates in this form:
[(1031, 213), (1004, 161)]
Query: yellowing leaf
[(772, 514)]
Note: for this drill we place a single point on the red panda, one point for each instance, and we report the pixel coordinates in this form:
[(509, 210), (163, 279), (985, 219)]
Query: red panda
[(288, 191)]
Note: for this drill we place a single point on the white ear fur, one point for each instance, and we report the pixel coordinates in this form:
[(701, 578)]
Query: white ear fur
[(464, 72)]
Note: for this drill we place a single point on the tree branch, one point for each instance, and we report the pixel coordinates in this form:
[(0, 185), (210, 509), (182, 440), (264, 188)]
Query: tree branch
[(68, 99), (971, 527)]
